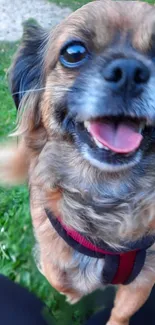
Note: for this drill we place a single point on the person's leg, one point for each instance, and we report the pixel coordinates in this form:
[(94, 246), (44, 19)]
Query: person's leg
[(18, 306), (146, 315)]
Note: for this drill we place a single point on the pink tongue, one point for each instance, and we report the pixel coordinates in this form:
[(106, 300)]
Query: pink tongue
[(123, 138)]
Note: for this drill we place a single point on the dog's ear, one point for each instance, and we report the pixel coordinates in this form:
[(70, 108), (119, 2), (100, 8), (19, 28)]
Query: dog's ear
[(26, 72)]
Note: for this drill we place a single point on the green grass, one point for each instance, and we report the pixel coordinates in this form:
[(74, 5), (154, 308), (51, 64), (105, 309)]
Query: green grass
[(77, 4), (68, 3), (150, 1)]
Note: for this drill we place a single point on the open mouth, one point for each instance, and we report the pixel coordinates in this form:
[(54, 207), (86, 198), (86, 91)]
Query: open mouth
[(112, 141), (119, 135)]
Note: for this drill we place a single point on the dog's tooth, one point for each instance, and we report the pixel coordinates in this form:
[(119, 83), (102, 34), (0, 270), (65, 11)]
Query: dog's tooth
[(106, 148), (99, 144), (87, 125), (148, 123), (141, 127)]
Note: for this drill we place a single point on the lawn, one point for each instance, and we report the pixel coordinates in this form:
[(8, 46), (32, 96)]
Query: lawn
[(76, 4), (16, 237), (68, 3)]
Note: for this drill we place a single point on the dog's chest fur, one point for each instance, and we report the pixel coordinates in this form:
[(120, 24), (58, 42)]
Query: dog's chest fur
[(101, 206)]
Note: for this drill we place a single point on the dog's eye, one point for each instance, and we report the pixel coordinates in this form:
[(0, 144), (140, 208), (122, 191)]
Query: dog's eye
[(73, 55)]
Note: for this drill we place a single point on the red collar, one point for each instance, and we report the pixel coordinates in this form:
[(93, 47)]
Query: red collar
[(120, 267)]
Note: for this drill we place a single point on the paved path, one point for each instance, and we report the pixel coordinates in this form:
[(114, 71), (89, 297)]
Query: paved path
[(14, 12)]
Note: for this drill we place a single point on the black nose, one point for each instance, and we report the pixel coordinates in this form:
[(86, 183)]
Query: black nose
[(127, 75)]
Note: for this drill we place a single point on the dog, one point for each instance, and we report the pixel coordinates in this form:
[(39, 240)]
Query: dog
[(85, 93)]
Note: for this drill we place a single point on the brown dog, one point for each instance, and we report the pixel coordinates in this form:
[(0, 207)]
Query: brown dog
[(86, 99)]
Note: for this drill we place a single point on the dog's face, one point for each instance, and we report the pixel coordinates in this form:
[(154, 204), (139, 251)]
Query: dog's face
[(97, 72), (104, 59)]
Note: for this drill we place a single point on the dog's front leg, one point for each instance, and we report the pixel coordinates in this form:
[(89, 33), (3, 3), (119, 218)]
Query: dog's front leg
[(129, 299), (14, 163)]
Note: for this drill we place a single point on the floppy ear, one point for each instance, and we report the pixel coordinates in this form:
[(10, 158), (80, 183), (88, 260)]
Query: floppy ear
[(27, 70)]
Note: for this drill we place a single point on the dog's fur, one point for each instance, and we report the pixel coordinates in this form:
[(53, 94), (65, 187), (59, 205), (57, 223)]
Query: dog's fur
[(115, 205)]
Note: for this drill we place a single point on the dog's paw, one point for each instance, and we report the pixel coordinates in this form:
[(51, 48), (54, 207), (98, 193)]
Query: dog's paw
[(113, 322), (13, 164)]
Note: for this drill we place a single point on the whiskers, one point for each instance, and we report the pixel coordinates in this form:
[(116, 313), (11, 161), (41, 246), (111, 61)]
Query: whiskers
[(28, 113), (57, 89)]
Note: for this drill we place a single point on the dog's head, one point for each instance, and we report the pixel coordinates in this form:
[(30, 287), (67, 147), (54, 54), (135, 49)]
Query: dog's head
[(92, 82)]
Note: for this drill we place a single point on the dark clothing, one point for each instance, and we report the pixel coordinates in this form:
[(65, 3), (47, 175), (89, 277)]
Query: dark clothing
[(18, 306)]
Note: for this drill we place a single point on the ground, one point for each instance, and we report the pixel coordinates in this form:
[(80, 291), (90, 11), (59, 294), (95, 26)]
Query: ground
[(13, 13), (16, 237)]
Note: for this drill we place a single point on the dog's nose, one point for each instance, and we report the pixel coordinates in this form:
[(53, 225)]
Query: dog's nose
[(126, 75)]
